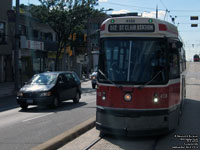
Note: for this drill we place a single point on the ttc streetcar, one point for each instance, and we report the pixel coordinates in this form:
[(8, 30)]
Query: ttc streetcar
[(141, 77), (196, 58)]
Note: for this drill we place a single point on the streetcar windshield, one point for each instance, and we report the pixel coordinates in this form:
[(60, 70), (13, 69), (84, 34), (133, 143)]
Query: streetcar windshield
[(134, 61)]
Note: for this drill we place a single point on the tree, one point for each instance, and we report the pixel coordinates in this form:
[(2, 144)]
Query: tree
[(65, 17)]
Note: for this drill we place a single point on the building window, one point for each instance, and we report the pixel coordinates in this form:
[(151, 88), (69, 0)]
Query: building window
[(35, 34), (48, 36), (22, 30), (2, 32), (2, 28)]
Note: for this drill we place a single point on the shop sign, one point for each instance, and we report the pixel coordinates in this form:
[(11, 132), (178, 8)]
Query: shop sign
[(35, 45)]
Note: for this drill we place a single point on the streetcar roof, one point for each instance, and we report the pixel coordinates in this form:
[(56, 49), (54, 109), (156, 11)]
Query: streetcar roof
[(133, 26)]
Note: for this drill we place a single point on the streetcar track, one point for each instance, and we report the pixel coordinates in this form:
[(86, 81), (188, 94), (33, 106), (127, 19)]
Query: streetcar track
[(94, 142), (155, 143)]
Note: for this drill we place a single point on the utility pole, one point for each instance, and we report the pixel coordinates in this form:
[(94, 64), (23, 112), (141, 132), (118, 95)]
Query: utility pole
[(16, 51), (156, 11), (88, 47)]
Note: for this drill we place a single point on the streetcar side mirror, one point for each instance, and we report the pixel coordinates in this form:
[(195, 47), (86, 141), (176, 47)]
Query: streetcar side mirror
[(176, 45), (179, 44)]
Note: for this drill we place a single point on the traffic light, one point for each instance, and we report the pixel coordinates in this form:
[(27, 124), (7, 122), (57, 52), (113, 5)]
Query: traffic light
[(194, 25), (2, 39), (85, 38), (69, 51), (194, 18), (74, 36)]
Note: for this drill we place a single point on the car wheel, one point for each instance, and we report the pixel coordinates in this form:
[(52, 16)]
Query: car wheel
[(76, 98), (93, 86), (24, 106), (55, 103)]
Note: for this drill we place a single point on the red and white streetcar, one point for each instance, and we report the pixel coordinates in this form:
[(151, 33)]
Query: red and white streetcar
[(141, 81)]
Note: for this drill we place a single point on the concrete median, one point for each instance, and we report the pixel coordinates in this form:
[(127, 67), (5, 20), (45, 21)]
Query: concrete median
[(67, 136)]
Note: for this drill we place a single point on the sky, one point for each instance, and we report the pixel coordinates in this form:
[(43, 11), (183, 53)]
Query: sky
[(181, 10)]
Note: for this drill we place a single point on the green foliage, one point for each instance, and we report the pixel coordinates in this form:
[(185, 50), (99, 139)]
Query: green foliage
[(64, 17)]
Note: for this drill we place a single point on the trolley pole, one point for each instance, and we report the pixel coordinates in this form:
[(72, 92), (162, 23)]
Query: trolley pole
[(16, 51)]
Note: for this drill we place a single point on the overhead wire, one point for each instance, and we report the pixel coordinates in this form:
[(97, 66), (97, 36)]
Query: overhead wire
[(150, 8)]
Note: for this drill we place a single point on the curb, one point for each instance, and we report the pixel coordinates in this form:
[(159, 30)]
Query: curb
[(67, 136)]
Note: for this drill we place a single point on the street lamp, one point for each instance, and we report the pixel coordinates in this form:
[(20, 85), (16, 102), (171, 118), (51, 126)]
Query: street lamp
[(110, 9)]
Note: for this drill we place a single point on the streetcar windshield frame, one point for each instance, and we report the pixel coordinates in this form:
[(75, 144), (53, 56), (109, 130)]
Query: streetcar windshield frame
[(133, 60)]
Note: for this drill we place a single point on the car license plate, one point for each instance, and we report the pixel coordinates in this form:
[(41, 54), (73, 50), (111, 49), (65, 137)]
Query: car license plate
[(29, 101)]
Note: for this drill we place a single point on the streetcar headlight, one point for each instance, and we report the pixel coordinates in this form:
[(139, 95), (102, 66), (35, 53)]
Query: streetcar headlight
[(127, 97), (155, 98), (103, 96)]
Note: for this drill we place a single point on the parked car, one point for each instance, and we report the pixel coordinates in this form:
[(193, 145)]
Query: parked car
[(50, 88), (94, 79)]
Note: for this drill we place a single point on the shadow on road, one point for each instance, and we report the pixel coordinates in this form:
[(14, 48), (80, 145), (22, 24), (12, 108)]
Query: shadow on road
[(7, 103)]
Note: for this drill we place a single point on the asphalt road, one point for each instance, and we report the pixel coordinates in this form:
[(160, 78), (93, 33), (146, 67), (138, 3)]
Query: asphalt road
[(23, 130)]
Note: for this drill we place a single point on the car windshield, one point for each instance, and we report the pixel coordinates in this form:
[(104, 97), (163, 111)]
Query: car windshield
[(134, 61), (43, 79)]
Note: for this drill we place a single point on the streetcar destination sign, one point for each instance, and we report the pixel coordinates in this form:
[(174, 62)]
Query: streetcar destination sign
[(131, 28)]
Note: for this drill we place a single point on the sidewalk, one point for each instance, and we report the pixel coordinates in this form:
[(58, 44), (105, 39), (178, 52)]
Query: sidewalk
[(7, 89), (83, 141)]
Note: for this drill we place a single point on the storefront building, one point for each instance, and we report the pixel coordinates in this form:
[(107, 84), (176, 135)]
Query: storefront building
[(6, 69)]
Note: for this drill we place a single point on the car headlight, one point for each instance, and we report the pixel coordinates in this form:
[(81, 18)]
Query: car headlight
[(45, 94), (93, 78), (19, 94)]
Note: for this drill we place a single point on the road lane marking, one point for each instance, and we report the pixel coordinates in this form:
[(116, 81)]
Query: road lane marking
[(37, 117)]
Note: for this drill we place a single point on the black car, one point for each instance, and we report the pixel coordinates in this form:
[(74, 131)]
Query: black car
[(50, 88)]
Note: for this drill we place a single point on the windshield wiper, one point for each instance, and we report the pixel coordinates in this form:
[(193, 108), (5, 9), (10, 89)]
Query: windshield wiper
[(108, 79), (148, 82)]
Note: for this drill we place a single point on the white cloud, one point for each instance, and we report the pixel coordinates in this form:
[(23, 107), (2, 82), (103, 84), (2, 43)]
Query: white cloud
[(152, 14), (103, 1), (123, 11)]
